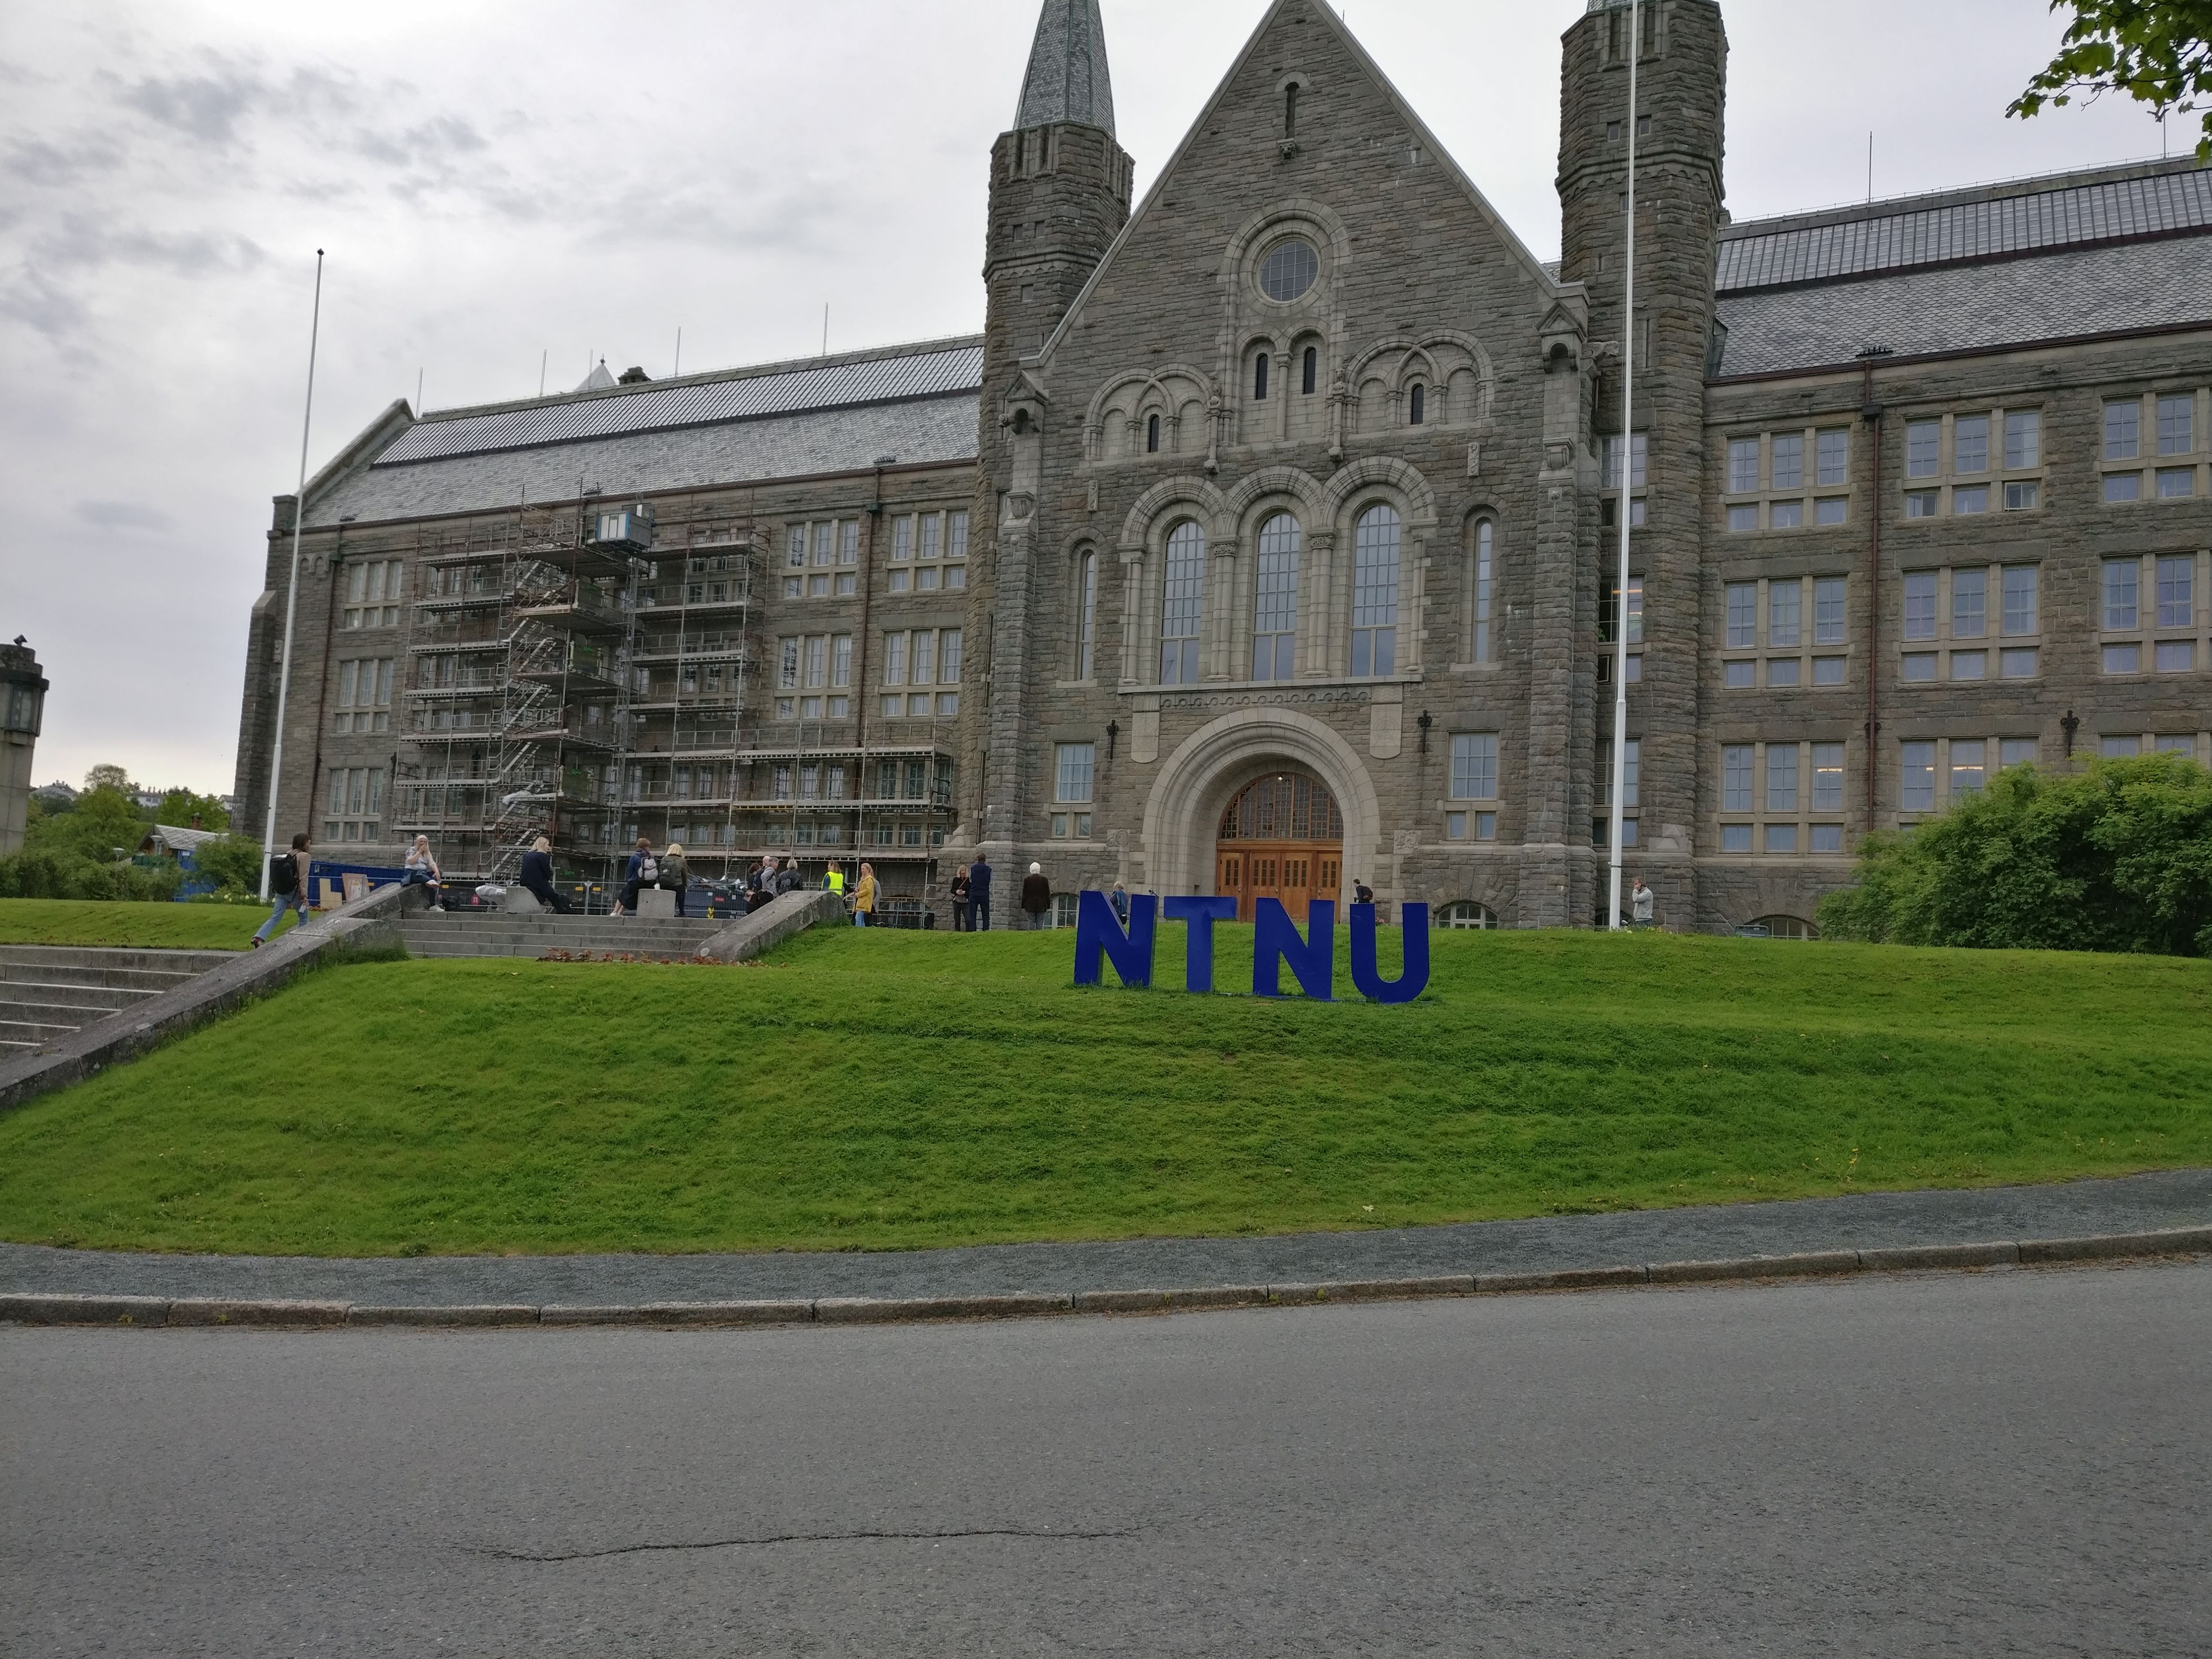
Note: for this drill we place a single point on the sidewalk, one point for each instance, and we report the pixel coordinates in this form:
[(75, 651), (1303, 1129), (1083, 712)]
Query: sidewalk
[(1866, 1222)]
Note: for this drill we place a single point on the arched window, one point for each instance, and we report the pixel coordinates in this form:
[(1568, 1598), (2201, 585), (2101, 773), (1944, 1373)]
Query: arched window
[(1778, 928), (1467, 913), (1086, 611), (1260, 377), (1182, 594), (1417, 405), (1485, 587), (1275, 605), (1311, 371), (1290, 110), (1152, 435), (1375, 591)]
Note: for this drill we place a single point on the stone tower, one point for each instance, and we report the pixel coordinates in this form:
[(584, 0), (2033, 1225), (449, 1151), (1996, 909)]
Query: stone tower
[(1681, 83), (1059, 196)]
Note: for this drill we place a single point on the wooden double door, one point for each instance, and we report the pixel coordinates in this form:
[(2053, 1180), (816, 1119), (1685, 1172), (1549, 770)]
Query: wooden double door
[(1281, 838)]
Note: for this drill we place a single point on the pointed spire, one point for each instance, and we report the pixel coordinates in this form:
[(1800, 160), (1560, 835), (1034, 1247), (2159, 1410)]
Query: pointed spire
[(1068, 79)]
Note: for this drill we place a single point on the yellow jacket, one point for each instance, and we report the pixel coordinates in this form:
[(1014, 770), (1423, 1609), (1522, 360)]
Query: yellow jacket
[(864, 894)]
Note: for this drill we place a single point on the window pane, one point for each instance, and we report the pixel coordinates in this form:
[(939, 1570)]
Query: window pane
[(1969, 502), (2176, 425), (1788, 465), (2020, 582), (895, 660), (1828, 595), (788, 666), (1375, 591), (1832, 509), (1970, 664), (1736, 763), (2121, 748), (849, 545), (1743, 465), (1740, 675), (1785, 515), (840, 660), (1829, 671), (2016, 751), (1924, 441), (1743, 516), (1920, 504), (2122, 577), (2121, 659), (1639, 456), (2176, 656), (1782, 671), (2023, 439), (2124, 486), (1474, 766), (1916, 792), (1071, 776), (2022, 495), (1834, 456), (1735, 838), (1827, 838), (1969, 604), (1184, 592), (1742, 615), (1827, 777), (1485, 536), (2176, 483), (948, 656), (2176, 585), (1781, 777), (1274, 617), (1783, 601), (2018, 664), (1970, 444), (1969, 758), (1781, 837), (2123, 432), (1919, 605)]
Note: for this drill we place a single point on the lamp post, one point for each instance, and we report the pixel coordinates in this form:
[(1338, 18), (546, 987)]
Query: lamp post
[(292, 593), (1619, 780)]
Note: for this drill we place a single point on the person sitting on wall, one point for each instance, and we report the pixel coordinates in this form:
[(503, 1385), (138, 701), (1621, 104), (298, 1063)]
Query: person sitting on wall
[(1362, 893), (675, 873), (422, 870), (536, 877), (643, 870)]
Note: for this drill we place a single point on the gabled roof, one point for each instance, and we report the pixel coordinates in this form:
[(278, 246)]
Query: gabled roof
[(1326, 16), (1067, 78)]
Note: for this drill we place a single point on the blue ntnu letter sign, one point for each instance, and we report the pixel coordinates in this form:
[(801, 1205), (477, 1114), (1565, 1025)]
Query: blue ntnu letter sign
[(1275, 942), (1098, 934)]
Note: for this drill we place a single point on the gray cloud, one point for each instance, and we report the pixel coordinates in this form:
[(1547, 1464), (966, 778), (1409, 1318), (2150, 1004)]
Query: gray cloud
[(123, 515), (58, 166)]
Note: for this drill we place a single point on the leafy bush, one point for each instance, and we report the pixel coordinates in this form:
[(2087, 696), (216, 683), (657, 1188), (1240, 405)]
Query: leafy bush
[(2117, 857), (101, 822), (232, 862), (180, 806), (39, 872)]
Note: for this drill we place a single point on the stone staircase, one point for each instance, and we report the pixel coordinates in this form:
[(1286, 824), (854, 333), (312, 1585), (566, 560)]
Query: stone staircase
[(503, 933), (52, 991)]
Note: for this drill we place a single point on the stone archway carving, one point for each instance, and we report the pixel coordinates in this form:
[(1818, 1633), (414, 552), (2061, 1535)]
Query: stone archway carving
[(1183, 813)]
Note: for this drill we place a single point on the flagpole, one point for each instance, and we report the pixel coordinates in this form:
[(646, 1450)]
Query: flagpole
[(292, 594), (1619, 780)]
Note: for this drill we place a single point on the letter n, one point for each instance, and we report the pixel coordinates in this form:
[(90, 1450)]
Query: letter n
[(1097, 934), (1275, 941), (1414, 979)]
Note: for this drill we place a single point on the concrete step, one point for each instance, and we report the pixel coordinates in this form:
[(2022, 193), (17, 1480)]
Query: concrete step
[(521, 936), (150, 981), (17, 992), (28, 1034), (100, 959), (75, 1015)]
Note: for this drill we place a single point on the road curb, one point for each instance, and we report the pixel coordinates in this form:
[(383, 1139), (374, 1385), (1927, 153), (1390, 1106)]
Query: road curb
[(153, 1312)]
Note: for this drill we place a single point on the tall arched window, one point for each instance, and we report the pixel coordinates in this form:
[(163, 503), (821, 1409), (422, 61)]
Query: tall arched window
[(1182, 596), (1086, 611), (1484, 586), (1290, 110), (1417, 405), (1311, 371), (1275, 605), (1375, 591), (1260, 377), (1152, 435)]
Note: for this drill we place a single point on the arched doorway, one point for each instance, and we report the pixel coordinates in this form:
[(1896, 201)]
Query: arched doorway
[(1282, 837)]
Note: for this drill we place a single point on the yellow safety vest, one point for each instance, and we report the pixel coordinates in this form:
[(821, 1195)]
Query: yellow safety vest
[(834, 882)]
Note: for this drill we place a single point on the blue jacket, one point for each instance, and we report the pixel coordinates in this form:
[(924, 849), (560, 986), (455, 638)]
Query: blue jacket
[(537, 871), (979, 881)]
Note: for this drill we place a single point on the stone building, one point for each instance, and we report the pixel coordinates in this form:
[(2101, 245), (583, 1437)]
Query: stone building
[(22, 710), (1263, 541)]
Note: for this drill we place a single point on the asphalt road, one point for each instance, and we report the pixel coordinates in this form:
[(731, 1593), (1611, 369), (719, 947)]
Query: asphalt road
[(2011, 1462)]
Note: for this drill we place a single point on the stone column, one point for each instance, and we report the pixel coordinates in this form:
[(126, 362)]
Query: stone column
[(1315, 583)]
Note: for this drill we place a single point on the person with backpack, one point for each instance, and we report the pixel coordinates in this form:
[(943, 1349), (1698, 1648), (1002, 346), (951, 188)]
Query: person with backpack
[(644, 870), (787, 880), (864, 896), (675, 872), (288, 885)]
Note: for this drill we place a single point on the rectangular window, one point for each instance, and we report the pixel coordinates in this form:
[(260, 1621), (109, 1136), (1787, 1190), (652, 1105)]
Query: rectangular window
[(1970, 664), (2175, 656), (1923, 449), (1609, 605), (1474, 766), (2122, 487), (2016, 751), (2123, 578), (1787, 463), (1782, 671), (923, 664), (955, 535), (2176, 483), (1781, 837), (1782, 777), (1740, 675), (1071, 769), (1629, 782), (1920, 503), (1970, 444), (894, 659), (1832, 457), (787, 662), (1742, 615), (1829, 671), (1827, 838), (1969, 766), (902, 539), (825, 542), (1735, 838), (1485, 582), (1827, 777), (795, 546), (1967, 500), (1743, 516), (1829, 593), (1783, 600), (1743, 466), (1786, 515), (2019, 664), (841, 660), (2122, 430), (1640, 455), (2176, 425), (1831, 510), (2177, 578), (1737, 761), (2121, 659), (2023, 440), (1919, 605), (1969, 604), (2020, 585), (2021, 494), (2176, 744), (2121, 748), (948, 657), (1917, 785), (932, 525), (817, 660)]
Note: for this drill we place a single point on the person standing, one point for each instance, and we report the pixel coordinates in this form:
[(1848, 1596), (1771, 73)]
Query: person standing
[(288, 885), (1639, 904), (864, 896), (1036, 897), (979, 894), (1119, 898), (760, 885), (536, 877), (958, 890)]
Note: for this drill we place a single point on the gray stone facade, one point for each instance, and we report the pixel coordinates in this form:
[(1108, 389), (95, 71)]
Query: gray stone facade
[(1804, 633)]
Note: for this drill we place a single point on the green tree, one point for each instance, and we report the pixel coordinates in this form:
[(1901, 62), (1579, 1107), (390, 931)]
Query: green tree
[(110, 777), (2116, 858), (180, 806), (2155, 51), (102, 821), (232, 862)]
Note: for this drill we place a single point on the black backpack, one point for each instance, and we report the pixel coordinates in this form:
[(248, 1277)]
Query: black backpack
[(284, 873)]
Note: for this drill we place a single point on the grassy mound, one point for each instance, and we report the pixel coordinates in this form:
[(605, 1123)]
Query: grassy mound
[(126, 923), (887, 1090)]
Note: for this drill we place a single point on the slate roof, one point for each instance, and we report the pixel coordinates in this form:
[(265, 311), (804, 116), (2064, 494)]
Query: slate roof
[(916, 402), (1067, 78), (2116, 251)]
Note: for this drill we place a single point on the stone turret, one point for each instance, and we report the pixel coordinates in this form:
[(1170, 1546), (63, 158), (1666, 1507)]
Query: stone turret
[(1059, 196), (1681, 83)]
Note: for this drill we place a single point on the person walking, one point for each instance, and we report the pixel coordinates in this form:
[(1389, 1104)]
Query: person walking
[(864, 896), (536, 877), (1036, 897), (1362, 893), (979, 894), (643, 870), (675, 873), (1119, 898), (958, 890), (288, 885), (422, 870), (1639, 904)]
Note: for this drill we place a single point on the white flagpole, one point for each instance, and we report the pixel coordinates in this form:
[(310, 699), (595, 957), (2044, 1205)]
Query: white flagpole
[(1619, 790), (292, 596)]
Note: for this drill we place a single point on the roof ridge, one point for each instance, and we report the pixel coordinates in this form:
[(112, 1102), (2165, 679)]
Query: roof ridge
[(711, 377), (1898, 206)]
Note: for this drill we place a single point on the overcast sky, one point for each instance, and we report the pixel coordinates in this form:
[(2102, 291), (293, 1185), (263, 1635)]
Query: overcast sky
[(495, 182)]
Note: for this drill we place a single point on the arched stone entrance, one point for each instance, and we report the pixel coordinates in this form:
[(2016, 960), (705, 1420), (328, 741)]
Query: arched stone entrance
[(1281, 837), (1210, 769)]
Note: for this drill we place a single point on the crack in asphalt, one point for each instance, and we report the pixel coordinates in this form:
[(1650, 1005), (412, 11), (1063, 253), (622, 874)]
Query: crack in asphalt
[(1072, 1535)]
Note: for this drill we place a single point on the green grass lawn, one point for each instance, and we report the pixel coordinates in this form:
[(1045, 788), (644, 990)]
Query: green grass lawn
[(143, 927), (889, 1090)]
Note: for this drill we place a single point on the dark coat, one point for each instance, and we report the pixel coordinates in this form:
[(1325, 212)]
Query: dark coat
[(1036, 893), (536, 875), (979, 880)]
